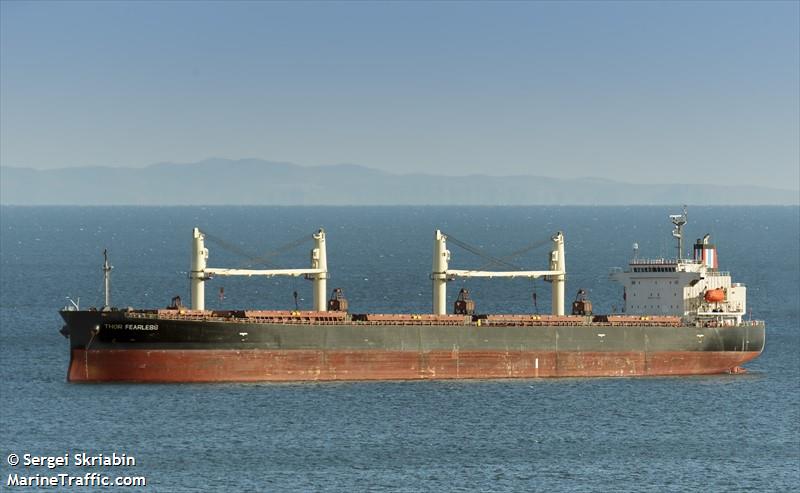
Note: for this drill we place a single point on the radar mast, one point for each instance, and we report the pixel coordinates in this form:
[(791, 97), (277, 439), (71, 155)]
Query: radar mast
[(679, 220)]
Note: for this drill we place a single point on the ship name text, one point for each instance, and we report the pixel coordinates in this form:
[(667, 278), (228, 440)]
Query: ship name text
[(117, 326)]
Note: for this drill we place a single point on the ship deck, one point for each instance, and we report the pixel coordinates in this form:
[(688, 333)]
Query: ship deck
[(301, 317)]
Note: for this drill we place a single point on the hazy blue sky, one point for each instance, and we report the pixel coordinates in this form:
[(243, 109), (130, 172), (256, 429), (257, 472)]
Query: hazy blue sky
[(637, 91)]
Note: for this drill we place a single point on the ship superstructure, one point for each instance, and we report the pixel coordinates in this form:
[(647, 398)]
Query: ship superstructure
[(692, 288)]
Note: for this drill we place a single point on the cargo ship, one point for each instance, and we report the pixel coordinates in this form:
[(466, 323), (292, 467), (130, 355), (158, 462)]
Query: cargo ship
[(681, 316)]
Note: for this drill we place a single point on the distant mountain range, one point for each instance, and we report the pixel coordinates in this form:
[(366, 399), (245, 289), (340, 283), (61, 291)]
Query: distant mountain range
[(259, 182)]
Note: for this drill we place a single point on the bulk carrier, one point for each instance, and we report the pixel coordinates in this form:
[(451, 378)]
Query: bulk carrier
[(681, 316)]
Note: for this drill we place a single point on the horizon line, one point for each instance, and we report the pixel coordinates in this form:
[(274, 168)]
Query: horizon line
[(391, 173)]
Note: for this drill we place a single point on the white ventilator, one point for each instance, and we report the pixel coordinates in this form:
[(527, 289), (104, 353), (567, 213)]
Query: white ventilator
[(441, 272), (200, 272)]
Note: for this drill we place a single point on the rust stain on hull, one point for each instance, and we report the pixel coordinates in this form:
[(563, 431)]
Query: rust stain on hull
[(259, 365)]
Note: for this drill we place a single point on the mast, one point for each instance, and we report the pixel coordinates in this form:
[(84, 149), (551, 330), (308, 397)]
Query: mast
[(679, 220), (558, 264), (106, 281), (319, 260), (439, 275), (198, 274)]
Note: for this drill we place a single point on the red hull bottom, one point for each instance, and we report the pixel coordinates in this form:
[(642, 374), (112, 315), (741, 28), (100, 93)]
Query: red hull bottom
[(141, 365)]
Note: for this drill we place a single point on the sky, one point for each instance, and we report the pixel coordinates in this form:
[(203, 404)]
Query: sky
[(668, 92)]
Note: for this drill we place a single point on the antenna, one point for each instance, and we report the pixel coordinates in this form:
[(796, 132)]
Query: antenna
[(106, 281), (679, 220)]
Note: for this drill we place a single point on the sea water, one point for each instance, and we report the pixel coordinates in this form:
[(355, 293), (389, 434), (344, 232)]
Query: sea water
[(707, 433)]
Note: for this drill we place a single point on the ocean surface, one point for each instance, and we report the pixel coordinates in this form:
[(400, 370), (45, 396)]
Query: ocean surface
[(718, 433)]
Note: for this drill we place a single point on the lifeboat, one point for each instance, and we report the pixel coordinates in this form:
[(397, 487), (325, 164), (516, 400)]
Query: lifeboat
[(715, 295)]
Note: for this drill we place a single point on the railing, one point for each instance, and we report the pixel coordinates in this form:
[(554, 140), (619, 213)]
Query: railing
[(657, 261), (661, 261)]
